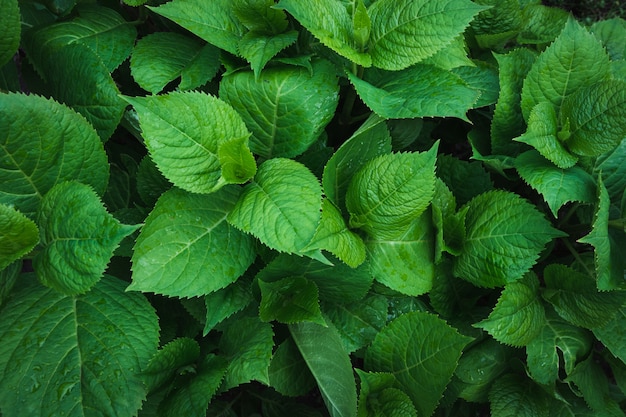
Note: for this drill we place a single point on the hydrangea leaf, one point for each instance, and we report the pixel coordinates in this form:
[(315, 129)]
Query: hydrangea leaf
[(612, 166), (612, 334), (328, 21), (44, 143), (78, 238), (575, 59), (281, 206), (258, 48), (184, 133), (288, 371), (330, 365), (213, 21), (290, 300), (80, 353), (165, 363), (556, 339), (596, 118), (150, 182), (18, 235), (557, 186), (391, 191), (505, 235), (187, 248), (482, 77), (223, 303), (591, 381), (455, 172), (451, 56), (162, 57), (261, 16), (542, 24), (10, 21), (406, 32), (419, 91), (542, 135), (519, 315), (405, 263), (422, 351), (286, 108), (379, 397), (8, 279), (499, 24), (513, 395), (612, 34)]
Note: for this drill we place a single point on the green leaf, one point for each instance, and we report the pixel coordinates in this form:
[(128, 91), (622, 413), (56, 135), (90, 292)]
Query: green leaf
[(542, 135), (557, 341), (248, 344), (516, 396), (400, 28), (596, 118), (592, 382), (422, 351), (78, 238), (361, 25), (575, 59), (288, 371), (8, 279), (519, 315), (169, 361), (612, 34), (45, 143), (10, 21), (499, 24), (258, 49), (221, 304), (505, 235), (455, 172), (184, 133), (482, 77), (281, 206), (557, 186), (451, 56), (187, 248), (542, 24), (391, 191), (611, 165), (18, 235), (73, 355), (290, 300), (213, 21), (613, 335), (261, 16), (405, 263), (330, 365), (286, 108), (378, 397), (162, 57), (419, 91), (328, 21)]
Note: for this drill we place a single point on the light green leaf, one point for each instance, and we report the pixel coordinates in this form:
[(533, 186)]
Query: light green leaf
[(557, 339), (422, 351), (451, 56), (281, 206), (517, 396), (10, 22), (505, 235), (557, 186), (575, 297), (214, 21), (361, 25), (328, 21), (519, 315), (247, 343), (596, 118), (78, 238), (261, 16), (290, 300), (289, 374), (575, 59), (612, 166), (405, 263), (391, 191), (63, 355), (419, 91), (221, 304), (184, 133), (542, 135), (162, 57), (408, 31), (187, 248), (45, 143), (18, 235), (612, 34), (258, 48), (286, 108), (482, 77), (330, 365), (168, 361), (237, 162), (613, 335)]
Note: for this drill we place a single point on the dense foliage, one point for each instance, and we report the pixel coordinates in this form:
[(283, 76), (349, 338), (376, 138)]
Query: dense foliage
[(310, 208)]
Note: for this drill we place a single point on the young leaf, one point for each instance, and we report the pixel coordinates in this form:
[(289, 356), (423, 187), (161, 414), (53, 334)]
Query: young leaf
[(290, 300), (18, 235), (78, 238), (162, 57), (288, 371), (422, 351), (184, 133), (258, 49), (286, 108), (399, 29), (330, 365), (213, 21), (79, 354), (165, 363), (391, 191), (221, 304), (575, 59), (281, 207), (557, 186), (44, 143), (187, 248), (519, 315), (505, 235), (10, 21), (378, 396), (516, 396)]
